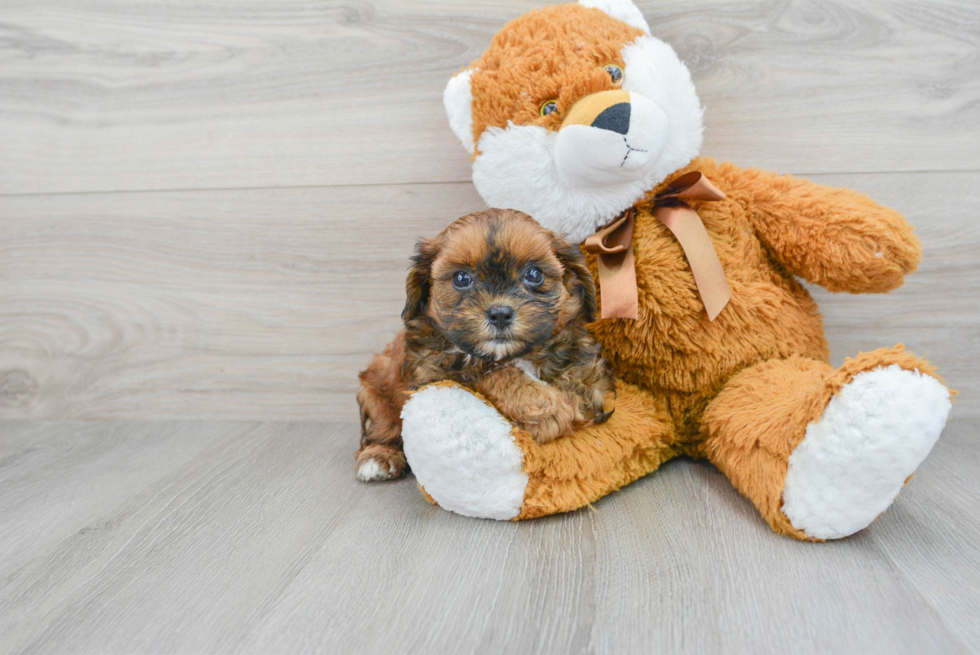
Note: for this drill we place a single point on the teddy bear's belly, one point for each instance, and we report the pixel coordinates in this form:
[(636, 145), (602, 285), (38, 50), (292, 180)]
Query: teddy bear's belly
[(674, 351), (674, 346)]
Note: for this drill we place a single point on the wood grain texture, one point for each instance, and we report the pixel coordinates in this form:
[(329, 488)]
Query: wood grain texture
[(206, 212), (936, 313), (235, 537), (99, 96), (264, 304), (259, 302)]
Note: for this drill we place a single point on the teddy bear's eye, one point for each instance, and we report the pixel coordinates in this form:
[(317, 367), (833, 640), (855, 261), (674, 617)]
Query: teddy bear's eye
[(549, 107), (462, 280), (615, 72)]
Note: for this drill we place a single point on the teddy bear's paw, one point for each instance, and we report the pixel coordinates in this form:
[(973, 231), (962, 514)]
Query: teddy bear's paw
[(857, 456), (463, 453)]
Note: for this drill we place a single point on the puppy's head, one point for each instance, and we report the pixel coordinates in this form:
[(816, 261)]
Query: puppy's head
[(497, 285)]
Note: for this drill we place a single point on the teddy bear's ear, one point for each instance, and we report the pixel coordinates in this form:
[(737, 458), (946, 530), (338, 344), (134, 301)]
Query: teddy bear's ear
[(458, 100), (623, 10)]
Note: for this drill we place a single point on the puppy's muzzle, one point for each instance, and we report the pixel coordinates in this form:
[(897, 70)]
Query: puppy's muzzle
[(500, 316)]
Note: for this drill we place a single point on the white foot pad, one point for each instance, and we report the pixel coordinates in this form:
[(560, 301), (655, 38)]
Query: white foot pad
[(462, 452), (372, 471), (856, 457)]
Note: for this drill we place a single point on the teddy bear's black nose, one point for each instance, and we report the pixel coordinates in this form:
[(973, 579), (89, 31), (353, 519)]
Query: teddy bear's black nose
[(615, 118), (500, 316)]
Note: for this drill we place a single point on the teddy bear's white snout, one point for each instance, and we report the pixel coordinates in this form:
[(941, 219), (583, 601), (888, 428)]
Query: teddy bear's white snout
[(621, 145)]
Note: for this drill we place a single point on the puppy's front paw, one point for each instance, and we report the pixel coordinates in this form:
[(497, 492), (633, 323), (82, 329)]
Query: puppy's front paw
[(378, 462), (545, 427), (594, 413)]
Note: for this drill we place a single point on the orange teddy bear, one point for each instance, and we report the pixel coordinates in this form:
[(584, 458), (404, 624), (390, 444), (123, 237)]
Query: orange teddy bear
[(578, 117)]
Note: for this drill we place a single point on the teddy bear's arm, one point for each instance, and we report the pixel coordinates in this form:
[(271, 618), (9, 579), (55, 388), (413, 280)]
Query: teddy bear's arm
[(837, 238)]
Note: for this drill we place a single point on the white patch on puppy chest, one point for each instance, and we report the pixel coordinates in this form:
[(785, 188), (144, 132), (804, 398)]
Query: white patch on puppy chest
[(528, 369), (857, 456)]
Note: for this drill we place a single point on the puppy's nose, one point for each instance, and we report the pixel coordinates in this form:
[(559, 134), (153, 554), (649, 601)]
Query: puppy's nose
[(500, 316), (615, 118)]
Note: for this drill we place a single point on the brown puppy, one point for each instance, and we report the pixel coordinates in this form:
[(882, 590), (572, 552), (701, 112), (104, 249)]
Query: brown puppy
[(497, 303)]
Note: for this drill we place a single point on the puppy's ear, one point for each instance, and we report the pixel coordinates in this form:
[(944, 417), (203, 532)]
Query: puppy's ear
[(419, 280), (577, 280)]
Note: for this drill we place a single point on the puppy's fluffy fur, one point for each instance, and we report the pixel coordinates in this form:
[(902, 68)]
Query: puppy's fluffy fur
[(500, 304)]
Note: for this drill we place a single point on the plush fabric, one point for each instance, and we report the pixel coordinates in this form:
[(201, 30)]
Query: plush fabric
[(862, 450), (559, 53), (819, 450)]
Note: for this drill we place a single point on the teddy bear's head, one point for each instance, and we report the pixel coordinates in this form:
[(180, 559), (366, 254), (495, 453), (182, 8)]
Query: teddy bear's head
[(574, 113)]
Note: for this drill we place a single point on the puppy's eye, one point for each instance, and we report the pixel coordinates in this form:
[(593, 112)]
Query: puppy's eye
[(462, 280), (615, 72), (549, 107), (533, 276)]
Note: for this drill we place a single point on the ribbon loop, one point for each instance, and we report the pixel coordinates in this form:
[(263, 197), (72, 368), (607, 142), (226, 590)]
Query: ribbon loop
[(614, 245), (691, 186), (615, 237)]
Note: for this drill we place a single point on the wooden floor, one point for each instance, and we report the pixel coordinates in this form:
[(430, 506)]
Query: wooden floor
[(206, 213), (194, 537)]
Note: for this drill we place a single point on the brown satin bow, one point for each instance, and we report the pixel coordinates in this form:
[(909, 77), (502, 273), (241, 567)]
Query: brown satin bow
[(614, 245)]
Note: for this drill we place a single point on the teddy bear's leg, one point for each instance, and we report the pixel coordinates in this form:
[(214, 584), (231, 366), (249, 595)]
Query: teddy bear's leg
[(821, 452), (470, 460)]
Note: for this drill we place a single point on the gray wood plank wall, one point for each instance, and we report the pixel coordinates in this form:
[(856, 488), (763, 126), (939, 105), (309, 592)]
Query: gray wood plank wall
[(206, 209)]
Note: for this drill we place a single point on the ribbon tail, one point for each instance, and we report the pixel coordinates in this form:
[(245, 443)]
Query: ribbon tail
[(709, 275), (613, 245), (617, 285)]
